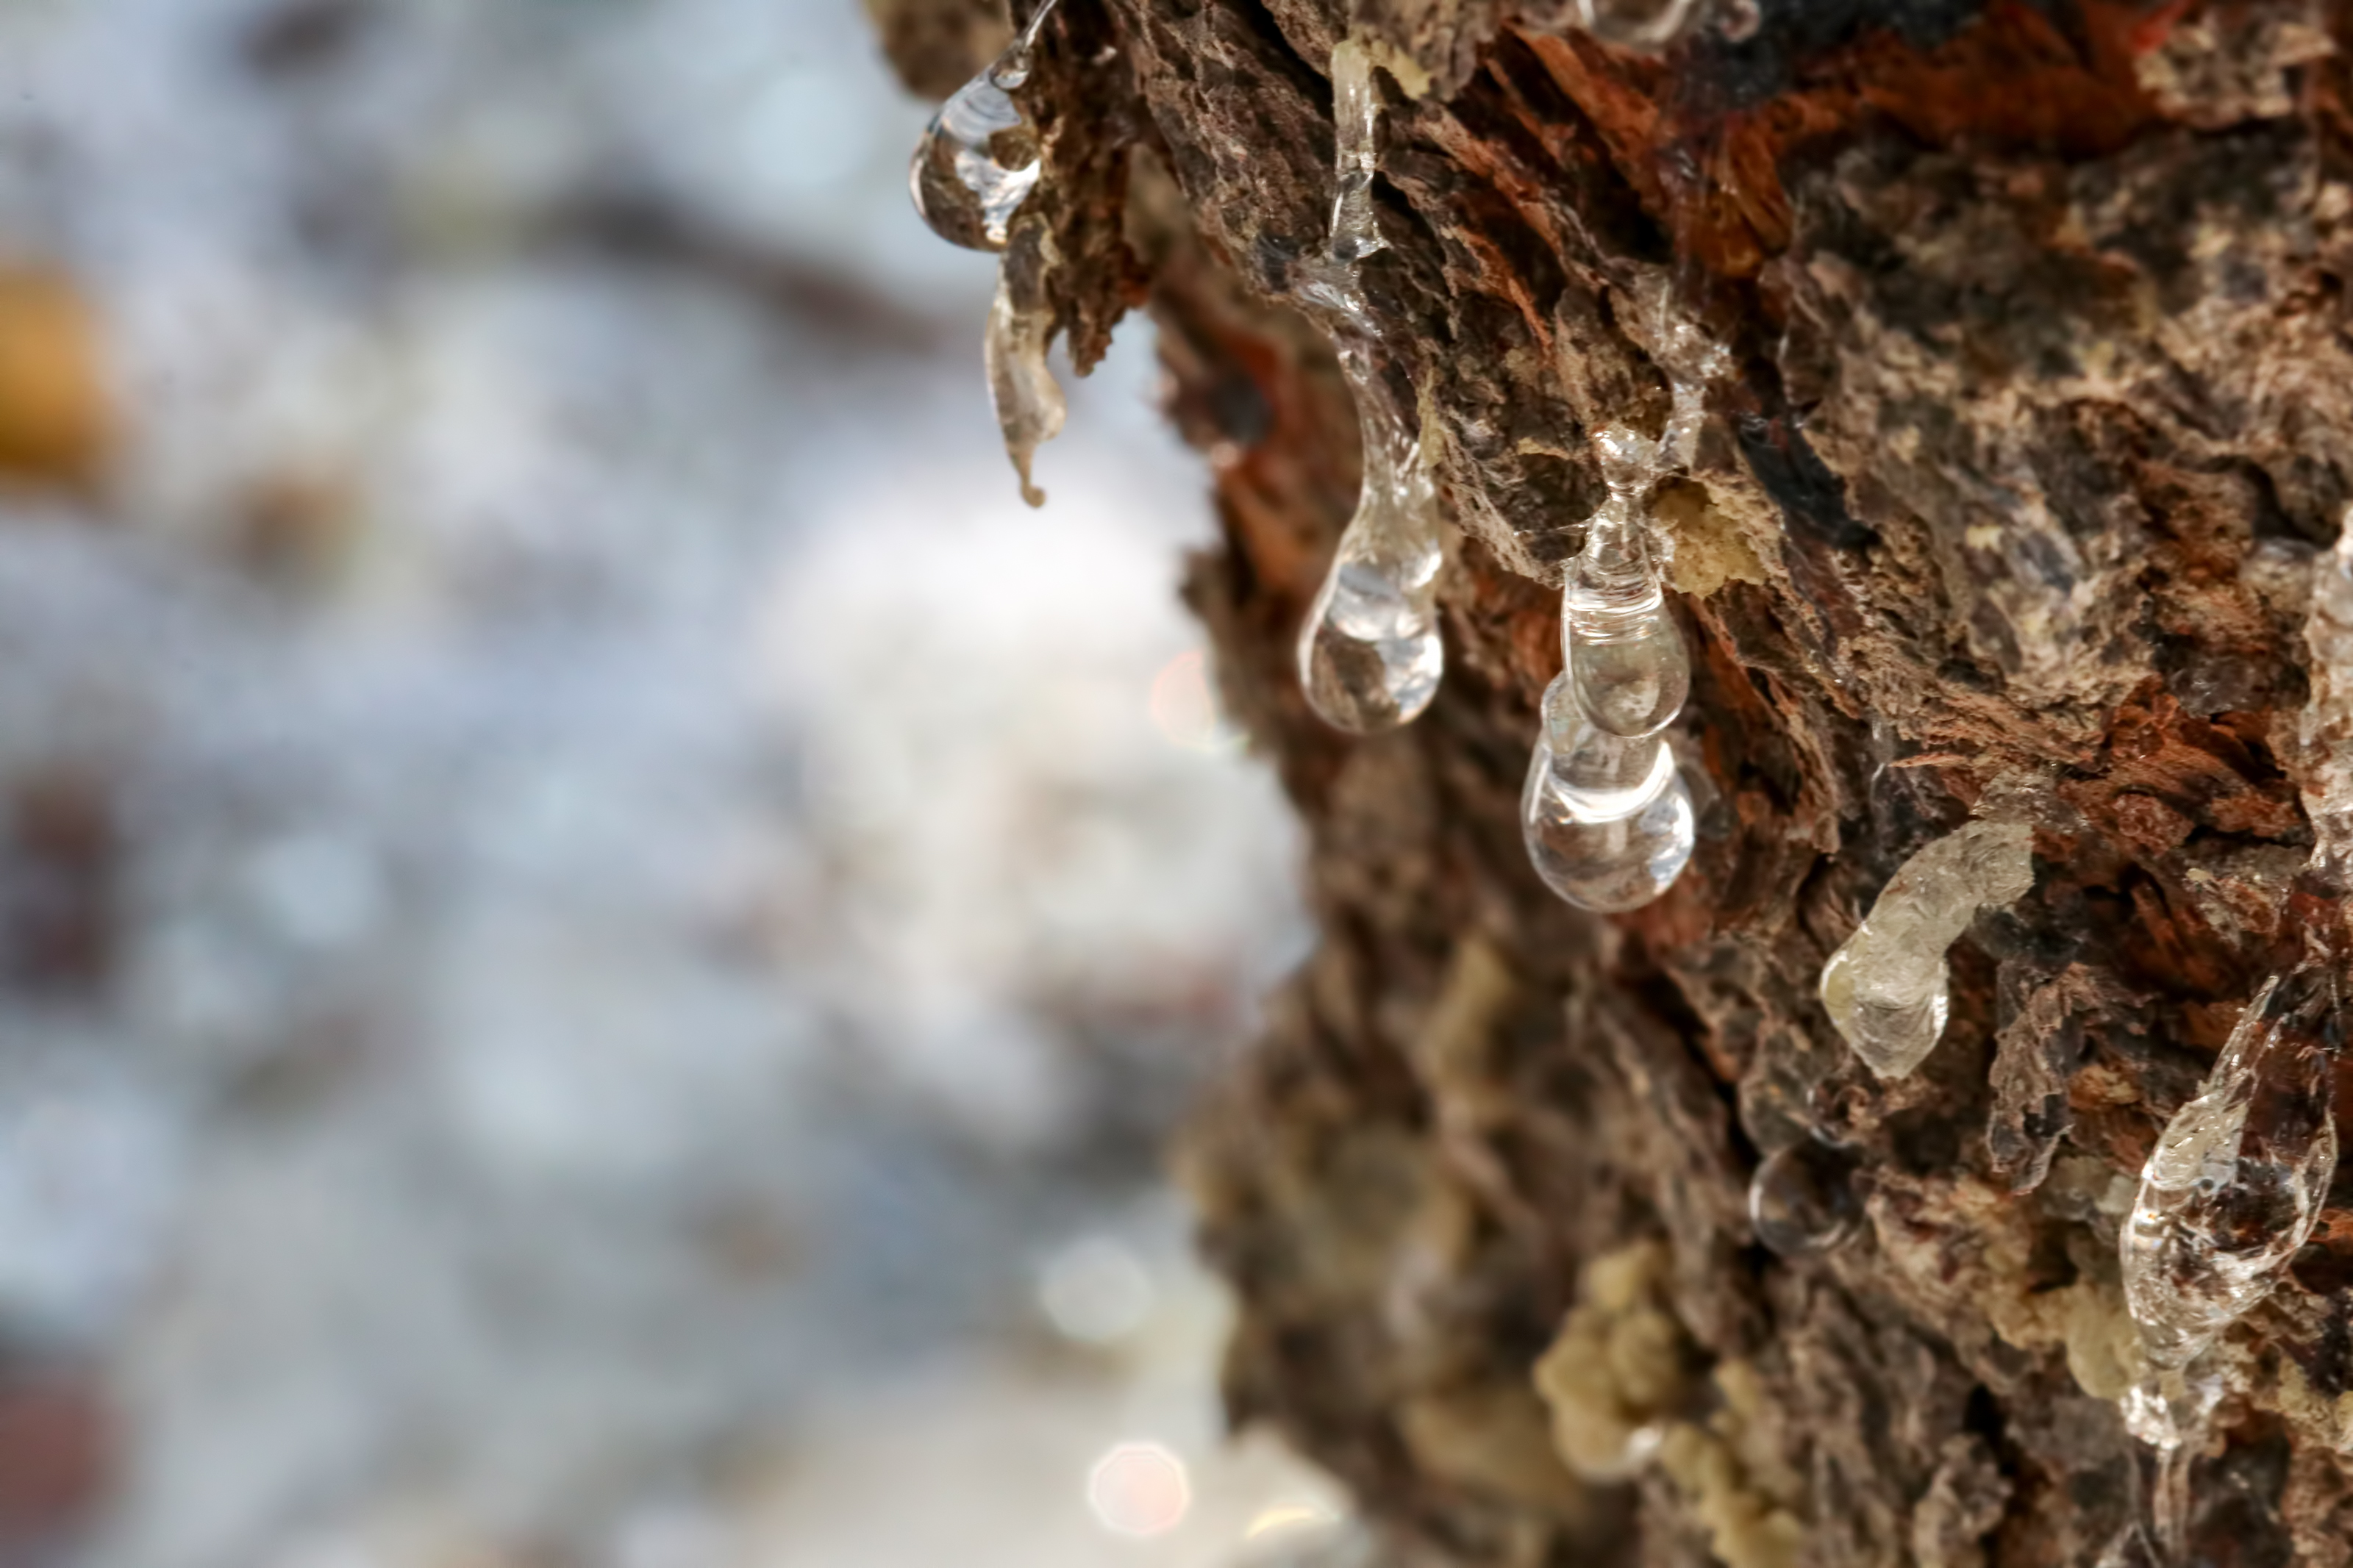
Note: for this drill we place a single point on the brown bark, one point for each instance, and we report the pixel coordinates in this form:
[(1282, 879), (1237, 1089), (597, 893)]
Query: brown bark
[(2043, 403)]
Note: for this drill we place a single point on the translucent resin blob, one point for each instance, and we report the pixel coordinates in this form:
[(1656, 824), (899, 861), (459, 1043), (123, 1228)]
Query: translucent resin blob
[(1803, 1200), (1647, 25), (1369, 655), (1608, 821), (978, 160), (1886, 988), (1624, 654), (1606, 815), (2231, 1192)]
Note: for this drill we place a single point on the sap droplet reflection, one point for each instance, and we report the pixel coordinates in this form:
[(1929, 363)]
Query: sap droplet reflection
[(1648, 27)]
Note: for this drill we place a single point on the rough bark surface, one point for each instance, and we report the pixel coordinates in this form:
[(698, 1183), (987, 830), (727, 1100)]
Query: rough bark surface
[(2045, 397)]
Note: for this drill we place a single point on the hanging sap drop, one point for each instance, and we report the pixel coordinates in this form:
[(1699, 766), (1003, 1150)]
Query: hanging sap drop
[(1608, 821), (1608, 865), (978, 160), (1803, 1200), (1627, 664), (1596, 775), (2233, 1188), (1369, 655)]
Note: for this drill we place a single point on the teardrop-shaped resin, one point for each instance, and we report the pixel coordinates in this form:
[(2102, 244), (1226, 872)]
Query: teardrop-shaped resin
[(1614, 859), (1369, 653), (978, 160), (1369, 656), (1625, 655)]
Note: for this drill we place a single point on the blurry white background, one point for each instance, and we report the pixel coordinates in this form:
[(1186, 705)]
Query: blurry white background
[(598, 928)]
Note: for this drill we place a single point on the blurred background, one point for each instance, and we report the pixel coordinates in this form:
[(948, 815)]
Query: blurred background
[(599, 930)]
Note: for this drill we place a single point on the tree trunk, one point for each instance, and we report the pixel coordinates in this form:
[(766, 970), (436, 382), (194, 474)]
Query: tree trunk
[(2043, 400)]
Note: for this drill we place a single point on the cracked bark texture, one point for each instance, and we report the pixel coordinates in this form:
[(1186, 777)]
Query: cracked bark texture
[(2044, 400)]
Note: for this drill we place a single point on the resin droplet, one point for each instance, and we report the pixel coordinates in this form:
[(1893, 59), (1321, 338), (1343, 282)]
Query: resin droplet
[(1625, 654), (2325, 726), (1595, 775), (2232, 1191), (978, 160), (2237, 1179), (1608, 820), (1370, 658), (1886, 988), (1029, 406), (1803, 1200), (1648, 26)]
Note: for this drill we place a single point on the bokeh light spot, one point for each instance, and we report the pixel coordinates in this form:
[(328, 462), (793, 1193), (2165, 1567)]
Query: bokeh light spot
[(1276, 1518), (1139, 1489), (1185, 706), (1095, 1292)]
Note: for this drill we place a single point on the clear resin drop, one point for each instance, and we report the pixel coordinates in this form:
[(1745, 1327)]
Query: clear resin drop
[(1627, 663), (2237, 1179), (1607, 815), (1369, 655), (978, 160), (1885, 987), (1608, 821), (2231, 1192), (1370, 658), (1648, 26), (1803, 1200)]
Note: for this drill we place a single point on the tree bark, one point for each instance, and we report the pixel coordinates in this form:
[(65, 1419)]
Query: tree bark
[(2044, 399)]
